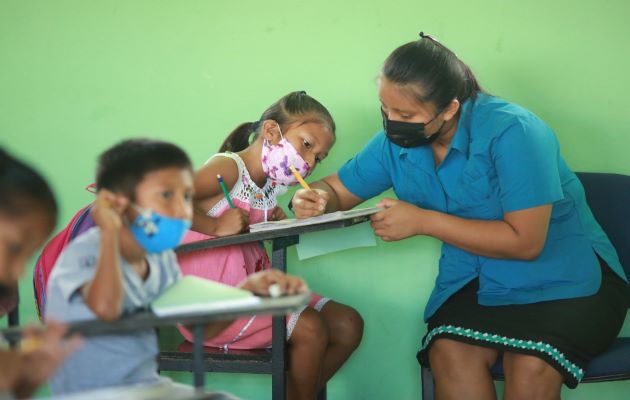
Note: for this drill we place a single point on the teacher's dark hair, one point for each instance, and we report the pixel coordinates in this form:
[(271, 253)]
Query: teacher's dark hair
[(431, 71), (294, 107)]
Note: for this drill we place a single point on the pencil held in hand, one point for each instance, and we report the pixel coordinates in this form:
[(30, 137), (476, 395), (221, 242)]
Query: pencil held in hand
[(225, 191), (299, 178), (30, 344)]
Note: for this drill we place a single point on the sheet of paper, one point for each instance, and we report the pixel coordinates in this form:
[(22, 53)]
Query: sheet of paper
[(317, 243), (192, 294), (293, 222)]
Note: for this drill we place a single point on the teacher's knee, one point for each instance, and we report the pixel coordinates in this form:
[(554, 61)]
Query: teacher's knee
[(454, 356), (530, 377)]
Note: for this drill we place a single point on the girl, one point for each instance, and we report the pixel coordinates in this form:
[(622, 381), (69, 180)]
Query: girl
[(296, 130), (28, 213)]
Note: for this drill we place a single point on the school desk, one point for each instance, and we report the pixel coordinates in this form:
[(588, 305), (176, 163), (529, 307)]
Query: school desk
[(280, 239)]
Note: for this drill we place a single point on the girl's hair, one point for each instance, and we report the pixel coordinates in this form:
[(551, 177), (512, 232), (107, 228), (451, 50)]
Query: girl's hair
[(432, 72), (294, 107), (20, 185)]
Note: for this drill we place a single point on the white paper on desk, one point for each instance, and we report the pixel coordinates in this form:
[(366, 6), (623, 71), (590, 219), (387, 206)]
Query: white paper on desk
[(323, 242), (320, 219)]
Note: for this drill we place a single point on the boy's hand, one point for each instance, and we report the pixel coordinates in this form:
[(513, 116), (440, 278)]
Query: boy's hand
[(309, 203), (108, 209), (43, 350), (278, 214), (231, 222), (260, 282)]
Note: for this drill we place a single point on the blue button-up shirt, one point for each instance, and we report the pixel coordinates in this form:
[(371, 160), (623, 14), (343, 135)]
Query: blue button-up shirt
[(502, 158)]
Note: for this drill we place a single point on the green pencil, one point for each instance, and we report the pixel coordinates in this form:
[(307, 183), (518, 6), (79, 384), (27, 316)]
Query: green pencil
[(225, 191)]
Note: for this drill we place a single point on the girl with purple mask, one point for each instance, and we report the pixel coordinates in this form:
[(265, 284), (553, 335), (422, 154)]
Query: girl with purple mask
[(254, 163)]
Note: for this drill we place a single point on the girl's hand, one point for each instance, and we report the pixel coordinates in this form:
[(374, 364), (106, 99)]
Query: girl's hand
[(278, 214), (108, 209), (260, 282), (399, 220), (231, 222), (309, 203)]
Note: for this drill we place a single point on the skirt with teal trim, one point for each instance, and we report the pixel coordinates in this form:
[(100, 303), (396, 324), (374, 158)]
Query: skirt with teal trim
[(566, 333)]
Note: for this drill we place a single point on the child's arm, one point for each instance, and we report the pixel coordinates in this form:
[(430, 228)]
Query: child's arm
[(21, 372), (259, 283), (278, 214), (104, 294), (208, 192)]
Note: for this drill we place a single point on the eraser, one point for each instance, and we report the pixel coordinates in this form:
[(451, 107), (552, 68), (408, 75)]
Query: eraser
[(274, 290)]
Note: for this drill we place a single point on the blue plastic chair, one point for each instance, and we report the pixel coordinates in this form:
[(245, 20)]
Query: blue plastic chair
[(608, 196)]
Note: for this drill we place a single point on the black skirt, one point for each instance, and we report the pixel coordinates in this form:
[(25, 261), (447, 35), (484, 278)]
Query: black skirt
[(566, 333)]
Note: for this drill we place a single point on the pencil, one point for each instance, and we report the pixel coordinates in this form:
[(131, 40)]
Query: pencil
[(299, 178), (30, 344), (225, 191)]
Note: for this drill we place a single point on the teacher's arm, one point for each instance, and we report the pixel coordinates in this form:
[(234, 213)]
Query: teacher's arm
[(525, 159), (520, 235)]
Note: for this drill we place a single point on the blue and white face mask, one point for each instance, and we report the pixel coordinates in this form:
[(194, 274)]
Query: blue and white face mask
[(156, 232)]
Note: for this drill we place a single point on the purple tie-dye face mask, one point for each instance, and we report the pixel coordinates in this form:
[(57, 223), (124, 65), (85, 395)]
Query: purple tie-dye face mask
[(277, 158)]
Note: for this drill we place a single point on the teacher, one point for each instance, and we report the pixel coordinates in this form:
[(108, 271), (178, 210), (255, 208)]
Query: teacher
[(525, 273)]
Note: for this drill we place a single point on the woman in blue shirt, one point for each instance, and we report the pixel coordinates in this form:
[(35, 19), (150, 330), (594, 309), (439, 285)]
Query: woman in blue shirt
[(524, 263)]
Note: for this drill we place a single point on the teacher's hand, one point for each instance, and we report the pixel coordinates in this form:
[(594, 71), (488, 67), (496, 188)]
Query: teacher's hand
[(309, 203), (398, 221)]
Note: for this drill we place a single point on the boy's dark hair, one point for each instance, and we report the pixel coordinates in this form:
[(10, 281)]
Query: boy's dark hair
[(431, 71), (20, 185), (123, 166), (295, 106)]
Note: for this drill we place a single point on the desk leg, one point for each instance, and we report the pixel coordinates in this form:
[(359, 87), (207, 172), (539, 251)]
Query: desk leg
[(198, 357), (14, 320), (278, 340)]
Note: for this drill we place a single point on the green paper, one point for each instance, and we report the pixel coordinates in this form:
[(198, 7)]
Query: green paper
[(192, 294), (323, 242)]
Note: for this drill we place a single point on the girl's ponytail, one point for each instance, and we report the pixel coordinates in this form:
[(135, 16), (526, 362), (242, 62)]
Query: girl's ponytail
[(239, 138)]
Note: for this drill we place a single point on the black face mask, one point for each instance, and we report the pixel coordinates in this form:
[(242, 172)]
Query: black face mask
[(408, 134)]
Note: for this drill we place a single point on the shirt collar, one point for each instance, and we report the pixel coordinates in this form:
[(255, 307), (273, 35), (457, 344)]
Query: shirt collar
[(461, 139), (421, 156)]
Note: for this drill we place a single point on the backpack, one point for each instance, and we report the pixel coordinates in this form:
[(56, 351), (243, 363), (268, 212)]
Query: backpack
[(81, 222)]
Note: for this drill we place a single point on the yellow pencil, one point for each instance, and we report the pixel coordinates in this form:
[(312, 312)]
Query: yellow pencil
[(299, 178)]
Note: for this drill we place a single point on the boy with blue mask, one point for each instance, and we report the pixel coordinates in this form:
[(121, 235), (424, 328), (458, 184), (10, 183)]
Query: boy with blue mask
[(142, 210)]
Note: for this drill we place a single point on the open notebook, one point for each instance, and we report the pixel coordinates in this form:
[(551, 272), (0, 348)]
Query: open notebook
[(192, 294), (320, 219)]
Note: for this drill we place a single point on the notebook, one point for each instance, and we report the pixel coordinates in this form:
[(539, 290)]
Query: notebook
[(320, 219), (192, 294)]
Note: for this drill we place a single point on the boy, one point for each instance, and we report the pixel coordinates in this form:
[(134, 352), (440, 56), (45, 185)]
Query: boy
[(142, 211), (28, 213)]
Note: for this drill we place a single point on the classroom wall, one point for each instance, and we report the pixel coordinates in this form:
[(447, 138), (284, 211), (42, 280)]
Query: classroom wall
[(76, 76)]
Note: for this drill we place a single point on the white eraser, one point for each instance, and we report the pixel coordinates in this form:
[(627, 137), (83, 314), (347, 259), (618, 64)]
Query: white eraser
[(274, 290)]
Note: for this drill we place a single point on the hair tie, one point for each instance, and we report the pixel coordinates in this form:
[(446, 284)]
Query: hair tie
[(255, 125), (302, 92), (425, 36)]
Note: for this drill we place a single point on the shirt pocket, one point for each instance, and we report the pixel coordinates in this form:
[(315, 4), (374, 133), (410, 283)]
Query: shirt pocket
[(478, 195), (416, 187)]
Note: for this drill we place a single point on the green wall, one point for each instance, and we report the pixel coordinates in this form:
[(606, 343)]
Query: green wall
[(77, 76)]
